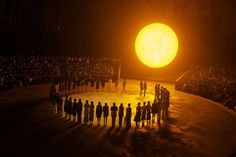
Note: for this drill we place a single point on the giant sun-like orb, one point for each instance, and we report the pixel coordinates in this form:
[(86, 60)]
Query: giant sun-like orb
[(156, 45)]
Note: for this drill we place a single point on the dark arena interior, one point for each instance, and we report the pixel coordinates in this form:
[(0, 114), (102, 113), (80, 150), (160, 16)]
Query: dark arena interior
[(118, 78)]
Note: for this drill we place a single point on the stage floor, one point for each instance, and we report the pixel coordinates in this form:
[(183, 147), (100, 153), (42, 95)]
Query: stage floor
[(131, 95), (196, 126)]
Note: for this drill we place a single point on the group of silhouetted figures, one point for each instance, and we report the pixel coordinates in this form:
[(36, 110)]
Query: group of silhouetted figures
[(74, 108), (84, 112)]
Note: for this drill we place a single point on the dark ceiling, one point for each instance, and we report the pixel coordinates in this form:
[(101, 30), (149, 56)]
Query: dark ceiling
[(206, 29)]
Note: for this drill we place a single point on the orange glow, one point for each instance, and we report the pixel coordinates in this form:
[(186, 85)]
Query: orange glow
[(156, 45)]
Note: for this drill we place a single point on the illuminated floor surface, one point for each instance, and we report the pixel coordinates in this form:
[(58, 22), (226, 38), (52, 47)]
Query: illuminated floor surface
[(196, 127)]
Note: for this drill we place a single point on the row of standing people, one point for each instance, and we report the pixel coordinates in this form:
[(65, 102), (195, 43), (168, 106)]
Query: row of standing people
[(143, 114), (88, 85), (143, 88), (76, 108), (146, 112), (163, 95)]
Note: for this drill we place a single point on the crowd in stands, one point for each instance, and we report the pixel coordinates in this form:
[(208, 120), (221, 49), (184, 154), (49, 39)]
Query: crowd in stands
[(20, 71), (218, 84)]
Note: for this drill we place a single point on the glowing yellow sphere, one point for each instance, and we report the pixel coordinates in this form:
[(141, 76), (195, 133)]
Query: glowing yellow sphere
[(156, 45)]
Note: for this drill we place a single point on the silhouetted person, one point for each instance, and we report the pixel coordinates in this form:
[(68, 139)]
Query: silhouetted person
[(103, 83), (154, 110), (141, 88), (74, 109), (148, 117), (168, 101), (92, 84), (70, 108), (113, 114), (161, 92), (123, 86), (60, 104), (157, 91), (66, 104), (158, 108), (99, 112), (144, 88), (57, 103), (116, 86), (128, 116), (86, 112), (121, 114), (109, 85), (79, 111), (79, 82), (105, 113), (82, 84), (164, 104), (86, 84), (137, 118), (91, 113), (97, 85), (144, 110)]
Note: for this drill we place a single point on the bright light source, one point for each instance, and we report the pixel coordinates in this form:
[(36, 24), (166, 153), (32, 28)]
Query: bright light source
[(156, 45)]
